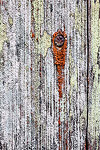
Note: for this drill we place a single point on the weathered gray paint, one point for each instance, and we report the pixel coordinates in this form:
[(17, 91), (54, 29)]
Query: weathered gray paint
[(29, 91)]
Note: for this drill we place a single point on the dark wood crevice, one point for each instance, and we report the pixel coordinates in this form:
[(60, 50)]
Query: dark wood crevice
[(88, 10)]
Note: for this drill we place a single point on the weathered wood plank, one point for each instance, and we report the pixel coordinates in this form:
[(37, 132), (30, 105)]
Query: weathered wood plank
[(29, 78), (76, 69), (94, 76)]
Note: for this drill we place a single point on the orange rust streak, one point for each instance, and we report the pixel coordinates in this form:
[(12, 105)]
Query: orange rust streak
[(59, 121), (59, 58), (33, 35), (59, 61)]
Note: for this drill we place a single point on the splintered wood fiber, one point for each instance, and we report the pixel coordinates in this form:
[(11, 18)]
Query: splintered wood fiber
[(49, 74)]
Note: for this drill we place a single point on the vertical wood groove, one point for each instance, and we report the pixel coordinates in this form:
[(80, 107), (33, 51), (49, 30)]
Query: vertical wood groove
[(87, 70)]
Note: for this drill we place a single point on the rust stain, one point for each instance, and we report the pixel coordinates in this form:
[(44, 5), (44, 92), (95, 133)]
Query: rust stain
[(32, 34), (31, 68), (59, 50), (37, 40)]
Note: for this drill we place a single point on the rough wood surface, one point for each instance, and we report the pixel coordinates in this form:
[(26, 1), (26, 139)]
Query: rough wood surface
[(94, 76), (28, 76)]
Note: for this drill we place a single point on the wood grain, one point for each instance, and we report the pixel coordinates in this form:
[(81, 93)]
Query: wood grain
[(29, 80), (94, 75)]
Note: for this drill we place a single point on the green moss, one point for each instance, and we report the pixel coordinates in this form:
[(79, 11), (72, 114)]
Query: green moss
[(94, 116), (3, 34), (44, 42), (10, 20)]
